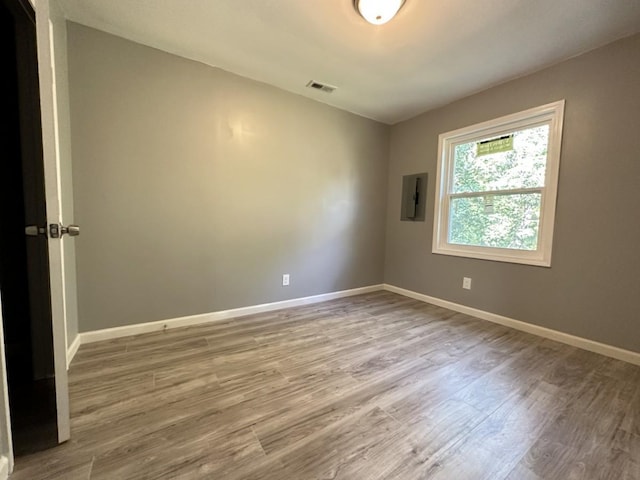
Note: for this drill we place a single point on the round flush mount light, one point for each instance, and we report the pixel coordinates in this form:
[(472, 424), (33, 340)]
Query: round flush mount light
[(378, 12)]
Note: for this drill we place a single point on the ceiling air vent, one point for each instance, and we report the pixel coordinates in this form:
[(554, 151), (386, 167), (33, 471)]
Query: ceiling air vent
[(323, 87)]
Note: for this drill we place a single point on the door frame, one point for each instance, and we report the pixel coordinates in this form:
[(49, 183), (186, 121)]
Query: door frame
[(6, 442)]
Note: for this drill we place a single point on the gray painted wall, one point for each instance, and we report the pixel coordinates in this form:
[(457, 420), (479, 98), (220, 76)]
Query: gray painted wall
[(196, 189), (592, 287)]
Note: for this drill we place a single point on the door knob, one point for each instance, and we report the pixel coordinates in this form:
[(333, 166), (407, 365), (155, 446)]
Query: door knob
[(71, 230), (57, 231), (34, 230)]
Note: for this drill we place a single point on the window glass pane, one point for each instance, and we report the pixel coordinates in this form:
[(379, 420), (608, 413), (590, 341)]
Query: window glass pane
[(521, 167), (500, 221)]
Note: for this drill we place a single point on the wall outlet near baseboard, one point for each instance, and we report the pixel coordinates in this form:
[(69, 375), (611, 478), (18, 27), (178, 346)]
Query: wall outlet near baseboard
[(285, 280), (466, 283)]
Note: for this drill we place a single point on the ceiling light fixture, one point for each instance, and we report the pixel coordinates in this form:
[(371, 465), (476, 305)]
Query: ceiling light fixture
[(378, 12)]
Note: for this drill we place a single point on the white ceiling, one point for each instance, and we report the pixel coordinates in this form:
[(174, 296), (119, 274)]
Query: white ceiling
[(432, 53)]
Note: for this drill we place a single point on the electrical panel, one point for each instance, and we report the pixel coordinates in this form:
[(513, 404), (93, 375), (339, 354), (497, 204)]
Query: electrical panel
[(414, 196)]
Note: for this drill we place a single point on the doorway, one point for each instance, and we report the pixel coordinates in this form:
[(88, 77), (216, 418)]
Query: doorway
[(24, 261)]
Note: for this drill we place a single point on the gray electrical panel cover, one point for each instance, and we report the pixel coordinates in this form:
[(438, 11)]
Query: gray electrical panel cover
[(414, 196)]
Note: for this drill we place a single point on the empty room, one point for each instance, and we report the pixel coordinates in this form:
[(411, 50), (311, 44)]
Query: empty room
[(348, 239)]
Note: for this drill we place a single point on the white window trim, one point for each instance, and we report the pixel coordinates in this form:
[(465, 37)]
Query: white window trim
[(551, 114)]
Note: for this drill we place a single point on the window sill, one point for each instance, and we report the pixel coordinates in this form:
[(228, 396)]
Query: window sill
[(499, 255)]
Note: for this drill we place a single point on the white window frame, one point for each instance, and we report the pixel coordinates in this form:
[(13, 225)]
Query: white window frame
[(551, 114)]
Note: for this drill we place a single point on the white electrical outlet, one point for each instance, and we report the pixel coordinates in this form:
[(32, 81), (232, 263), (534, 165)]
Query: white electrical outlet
[(285, 280), (466, 283)]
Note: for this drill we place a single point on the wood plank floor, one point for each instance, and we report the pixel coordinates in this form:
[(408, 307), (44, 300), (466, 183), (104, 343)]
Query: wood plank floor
[(376, 386)]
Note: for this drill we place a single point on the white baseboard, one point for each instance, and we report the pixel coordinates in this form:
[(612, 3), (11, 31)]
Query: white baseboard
[(4, 468), (128, 330), (73, 349), (583, 343)]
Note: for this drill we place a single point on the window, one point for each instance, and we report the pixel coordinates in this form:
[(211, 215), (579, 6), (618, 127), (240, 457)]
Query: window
[(497, 184)]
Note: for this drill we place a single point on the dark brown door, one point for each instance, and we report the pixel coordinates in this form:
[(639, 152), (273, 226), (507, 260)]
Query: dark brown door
[(24, 261)]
